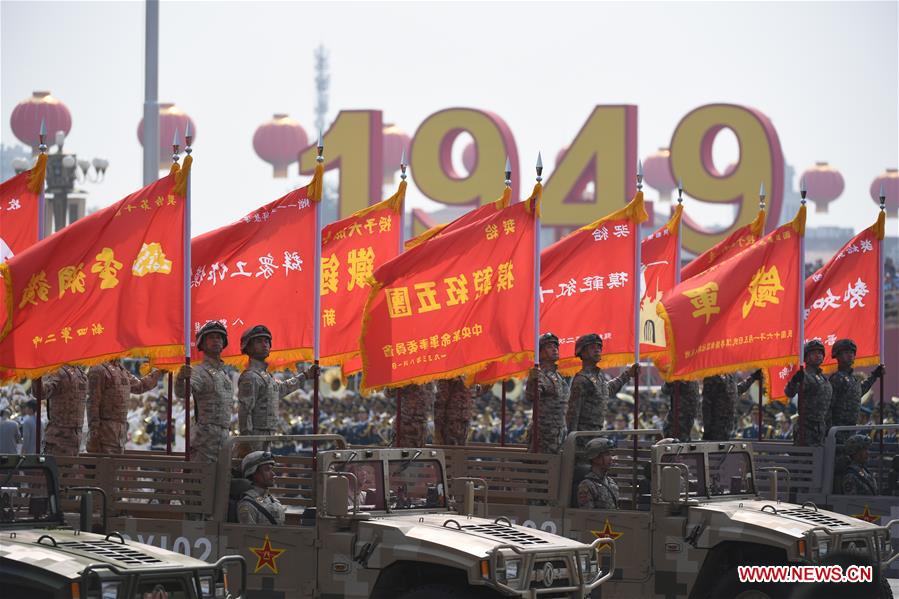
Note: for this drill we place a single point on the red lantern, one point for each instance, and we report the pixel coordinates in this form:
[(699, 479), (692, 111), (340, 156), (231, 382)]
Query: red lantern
[(27, 116), (279, 142), (824, 185), (170, 118), (394, 142), (890, 181), (657, 172)]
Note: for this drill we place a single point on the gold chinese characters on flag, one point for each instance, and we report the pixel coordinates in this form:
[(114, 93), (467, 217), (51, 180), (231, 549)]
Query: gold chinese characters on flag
[(455, 303), (735, 243), (109, 285), (740, 314), (352, 249), (842, 300)]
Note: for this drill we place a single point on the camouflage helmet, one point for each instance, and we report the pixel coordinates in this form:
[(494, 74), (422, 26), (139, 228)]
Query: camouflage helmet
[(253, 460), (856, 443), (213, 326), (842, 344), (811, 346), (548, 338), (260, 330), (586, 340), (598, 446)]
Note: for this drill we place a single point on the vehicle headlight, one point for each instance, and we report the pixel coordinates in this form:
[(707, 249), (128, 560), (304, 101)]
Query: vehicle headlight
[(109, 590), (823, 547), (588, 565), (206, 586), (512, 568)]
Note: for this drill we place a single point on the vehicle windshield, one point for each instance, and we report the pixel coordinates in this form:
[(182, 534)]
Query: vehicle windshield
[(416, 484), (370, 477), (696, 468), (730, 473), (26, 496)]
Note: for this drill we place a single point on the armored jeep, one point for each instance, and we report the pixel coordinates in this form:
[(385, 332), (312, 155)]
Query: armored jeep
[(360, 522), (690, 514), (41, 557)]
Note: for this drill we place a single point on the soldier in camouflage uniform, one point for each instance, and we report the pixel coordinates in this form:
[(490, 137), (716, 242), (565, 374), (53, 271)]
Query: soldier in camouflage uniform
[(66, 393), (598, 490), (814, 408), (414, 403), (548, 393), (258, 392), (110, 385), (858, 480), (257, 506), (452, 412), (591, 387), (211, 391), (687, 408), (847, 390), (720, 393)]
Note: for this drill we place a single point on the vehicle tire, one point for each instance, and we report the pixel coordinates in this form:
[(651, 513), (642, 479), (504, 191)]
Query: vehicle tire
[(445, 591), (729, 585)]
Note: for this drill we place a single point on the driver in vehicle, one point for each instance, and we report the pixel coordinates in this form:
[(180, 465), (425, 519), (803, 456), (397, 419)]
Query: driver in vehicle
[(258, 506), (598, 490)]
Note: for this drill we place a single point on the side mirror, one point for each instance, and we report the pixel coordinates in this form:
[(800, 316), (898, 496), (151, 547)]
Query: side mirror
[(468, 498), (671, 484), (337, 489)]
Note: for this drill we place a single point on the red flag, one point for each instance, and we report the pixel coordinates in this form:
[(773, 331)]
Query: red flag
[(20, 201), (454, 304), (581, 276), (742, 313), (735, 243), (259, 270), (470, 217), (108, 285), (352, 249), (658, 274), (842, 300)]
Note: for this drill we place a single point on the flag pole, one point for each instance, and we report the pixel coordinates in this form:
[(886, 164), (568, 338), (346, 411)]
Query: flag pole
[(800, 341), (317, 298), (675, 397), (535, 409), (636, 286), (38, 384), (176, 144), (397, 422), (881, 310), (761, 381)]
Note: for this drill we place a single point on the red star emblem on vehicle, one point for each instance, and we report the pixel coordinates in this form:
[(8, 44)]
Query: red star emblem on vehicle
[(266, 556), (606, 532), (867, 516)]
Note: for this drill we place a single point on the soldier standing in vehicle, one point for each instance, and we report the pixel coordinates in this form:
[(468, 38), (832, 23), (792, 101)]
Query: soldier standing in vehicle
[(598, 490), (548, 393), (414, 403), (452, 411), (687, 393), (257, 505), (719, 403), (591, 387), (858, 480), (110, 385), (211, 391), (814, 410), (847, 390), (66, 393), (258, 392)]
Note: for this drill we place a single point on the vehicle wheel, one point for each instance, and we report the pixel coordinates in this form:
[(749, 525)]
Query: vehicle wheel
[(730, 586), (886, 592), (444, 591)]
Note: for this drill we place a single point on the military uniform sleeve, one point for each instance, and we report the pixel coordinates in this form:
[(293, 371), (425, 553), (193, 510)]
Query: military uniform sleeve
[(198, 383), (246, 399), (866, 384), (792, 388), (584, 497), (575, 401), (744, 385), (141, 385), (246, 513), (95, 383), (290, 385), (619, 381), (49, 384)]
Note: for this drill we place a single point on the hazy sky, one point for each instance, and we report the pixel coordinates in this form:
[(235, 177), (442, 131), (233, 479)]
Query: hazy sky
[(825, 73)]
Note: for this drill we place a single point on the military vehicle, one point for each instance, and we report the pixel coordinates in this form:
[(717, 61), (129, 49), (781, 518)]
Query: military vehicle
[(360, 522), (41, 557), (690, 514)]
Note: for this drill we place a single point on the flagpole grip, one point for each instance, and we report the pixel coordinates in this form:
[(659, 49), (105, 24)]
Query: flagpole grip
[(187, 412)]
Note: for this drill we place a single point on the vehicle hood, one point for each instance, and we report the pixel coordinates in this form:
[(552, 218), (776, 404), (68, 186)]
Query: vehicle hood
[(470, 535), (787, 518), (75, 550)]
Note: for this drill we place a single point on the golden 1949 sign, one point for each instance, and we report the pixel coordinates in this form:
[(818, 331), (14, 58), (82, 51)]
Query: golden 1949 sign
[(604, 151)]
